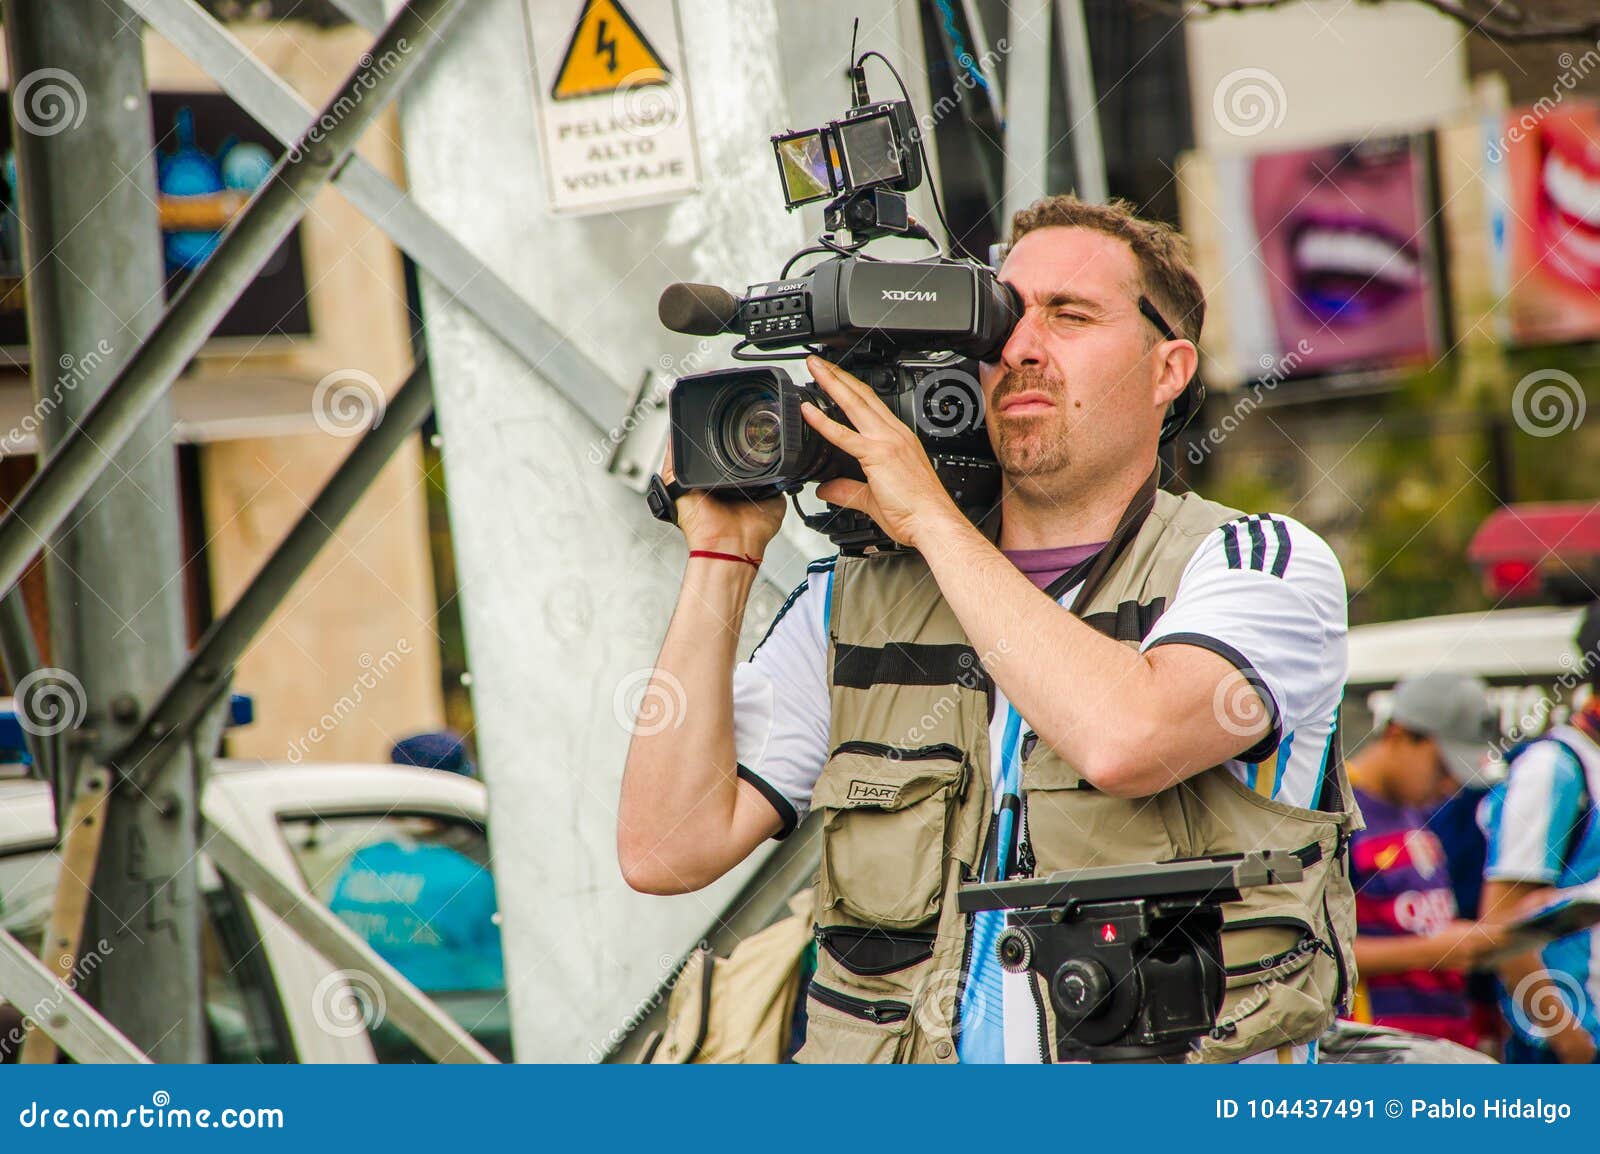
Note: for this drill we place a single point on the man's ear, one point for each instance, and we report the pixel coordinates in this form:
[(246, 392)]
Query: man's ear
[(1179, 359)]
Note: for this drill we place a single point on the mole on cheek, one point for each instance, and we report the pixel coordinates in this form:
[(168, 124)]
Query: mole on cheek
[(1077, 404)]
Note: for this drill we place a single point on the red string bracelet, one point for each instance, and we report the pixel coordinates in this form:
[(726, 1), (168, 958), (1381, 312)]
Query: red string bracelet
[(754, 562)]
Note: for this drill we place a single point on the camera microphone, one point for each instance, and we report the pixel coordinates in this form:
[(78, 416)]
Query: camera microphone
[(700, 310)]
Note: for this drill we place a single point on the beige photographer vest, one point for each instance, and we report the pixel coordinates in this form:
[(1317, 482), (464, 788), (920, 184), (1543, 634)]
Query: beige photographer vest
[(905, 801)]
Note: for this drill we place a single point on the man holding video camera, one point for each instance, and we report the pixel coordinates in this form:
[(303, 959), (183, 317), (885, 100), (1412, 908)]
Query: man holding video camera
[(1096, 673)]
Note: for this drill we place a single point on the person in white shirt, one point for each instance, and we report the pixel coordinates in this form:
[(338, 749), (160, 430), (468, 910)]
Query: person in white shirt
[(1074, 407)]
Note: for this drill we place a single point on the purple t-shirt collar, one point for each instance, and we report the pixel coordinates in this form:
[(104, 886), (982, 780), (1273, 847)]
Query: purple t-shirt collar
[(1042, 566)]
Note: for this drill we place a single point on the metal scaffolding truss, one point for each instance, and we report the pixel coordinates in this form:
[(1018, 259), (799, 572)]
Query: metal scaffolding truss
[(320, 151), (321, 144)]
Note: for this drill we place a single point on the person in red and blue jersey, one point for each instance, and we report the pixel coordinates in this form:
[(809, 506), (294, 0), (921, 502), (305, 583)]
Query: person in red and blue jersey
[(1413, 949)]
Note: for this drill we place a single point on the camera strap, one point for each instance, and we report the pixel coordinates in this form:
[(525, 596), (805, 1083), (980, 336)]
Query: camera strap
[(1128, 526)]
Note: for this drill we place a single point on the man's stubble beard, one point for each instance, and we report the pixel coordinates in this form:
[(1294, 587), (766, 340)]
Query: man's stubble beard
[(1034, 445)]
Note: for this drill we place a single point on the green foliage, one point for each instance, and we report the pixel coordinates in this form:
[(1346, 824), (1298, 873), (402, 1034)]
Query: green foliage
[(1400, 501)]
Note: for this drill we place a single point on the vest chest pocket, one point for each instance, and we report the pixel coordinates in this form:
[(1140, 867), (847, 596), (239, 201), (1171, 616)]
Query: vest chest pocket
[(844, 1029), (885, 811), (1072, 825)]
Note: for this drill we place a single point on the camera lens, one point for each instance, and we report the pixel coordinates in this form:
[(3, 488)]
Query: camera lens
[(747, 428)]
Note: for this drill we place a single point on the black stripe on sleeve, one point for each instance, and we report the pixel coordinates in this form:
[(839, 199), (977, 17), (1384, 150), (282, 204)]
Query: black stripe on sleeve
[(821, 566), (1239, 661), (1230, 544), (1258, 546), (786, 811), (1282, 561)]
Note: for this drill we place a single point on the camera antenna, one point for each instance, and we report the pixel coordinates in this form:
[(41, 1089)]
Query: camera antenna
[(858, 71), (905, 93)]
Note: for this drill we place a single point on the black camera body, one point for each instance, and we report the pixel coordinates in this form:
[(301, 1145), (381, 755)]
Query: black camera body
[(1130, 956), (739, 431), (911, 330), (866, 310)]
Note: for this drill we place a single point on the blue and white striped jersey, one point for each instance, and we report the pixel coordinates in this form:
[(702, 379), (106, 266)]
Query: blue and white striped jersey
[(1542, 828)]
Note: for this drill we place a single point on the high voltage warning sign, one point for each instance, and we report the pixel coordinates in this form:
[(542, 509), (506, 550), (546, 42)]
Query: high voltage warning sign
[(606, 52), (615, 125)]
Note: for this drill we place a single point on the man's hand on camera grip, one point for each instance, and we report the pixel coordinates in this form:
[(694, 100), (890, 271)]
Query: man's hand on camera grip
[(731, 524), (902, 492)]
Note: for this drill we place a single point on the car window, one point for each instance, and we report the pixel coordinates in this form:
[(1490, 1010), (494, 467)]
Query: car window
[(244, 1021), (417, 889)]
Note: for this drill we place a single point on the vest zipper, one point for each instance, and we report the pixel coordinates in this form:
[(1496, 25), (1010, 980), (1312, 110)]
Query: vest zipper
[(1045, 1055), (942, 751), (837, 939), (1026, 864), (961, 985), (1308, 942), (1338, 958), (885, 1012)]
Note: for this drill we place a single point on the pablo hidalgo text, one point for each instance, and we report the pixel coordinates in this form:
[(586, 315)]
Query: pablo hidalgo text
[(1495, 1109)]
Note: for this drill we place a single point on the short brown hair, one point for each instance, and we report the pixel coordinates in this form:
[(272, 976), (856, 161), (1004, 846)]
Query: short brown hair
[(1165, 274)]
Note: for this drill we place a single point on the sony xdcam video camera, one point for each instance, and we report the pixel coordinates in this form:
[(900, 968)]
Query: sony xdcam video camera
[(911, 330)]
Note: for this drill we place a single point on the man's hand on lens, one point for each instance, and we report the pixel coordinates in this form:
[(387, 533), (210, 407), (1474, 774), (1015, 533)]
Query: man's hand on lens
[(730, 524), (902, 492)]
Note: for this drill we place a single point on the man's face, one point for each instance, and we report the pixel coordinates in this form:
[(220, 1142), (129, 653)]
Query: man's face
[(1074, 388), (1420, 777)]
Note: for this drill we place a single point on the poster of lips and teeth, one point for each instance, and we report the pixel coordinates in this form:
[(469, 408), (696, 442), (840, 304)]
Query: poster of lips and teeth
[(1543, 169), (1329, 259)]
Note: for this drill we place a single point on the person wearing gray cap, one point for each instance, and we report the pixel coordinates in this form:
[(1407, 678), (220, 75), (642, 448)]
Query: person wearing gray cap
[(1544, 836), (1412, 947)]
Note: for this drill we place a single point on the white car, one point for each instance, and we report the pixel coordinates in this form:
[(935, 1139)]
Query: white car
[(269, 997), (1526, 655)]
